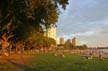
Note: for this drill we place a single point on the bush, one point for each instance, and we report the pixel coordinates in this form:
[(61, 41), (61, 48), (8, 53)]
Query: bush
[(38, 41), (82, 47)]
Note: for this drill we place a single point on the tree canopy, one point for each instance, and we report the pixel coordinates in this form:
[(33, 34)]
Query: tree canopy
[(21, 14), (23, 18), (33, 12)]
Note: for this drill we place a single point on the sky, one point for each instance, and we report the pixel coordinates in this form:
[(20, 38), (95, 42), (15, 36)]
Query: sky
[(87, 20)]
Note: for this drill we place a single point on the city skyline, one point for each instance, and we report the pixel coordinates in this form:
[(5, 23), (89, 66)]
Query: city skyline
[(87, 20)]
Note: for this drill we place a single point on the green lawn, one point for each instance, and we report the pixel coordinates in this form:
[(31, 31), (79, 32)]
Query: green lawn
[(72, 62), (48, 62)]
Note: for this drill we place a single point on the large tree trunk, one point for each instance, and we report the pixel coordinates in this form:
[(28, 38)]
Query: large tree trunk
[(16, 49), (28, 49), (22, 50), (10, 47), (4, 43)]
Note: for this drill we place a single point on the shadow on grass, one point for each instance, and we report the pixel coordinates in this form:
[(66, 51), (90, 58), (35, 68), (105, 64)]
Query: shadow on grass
[(23, 67)]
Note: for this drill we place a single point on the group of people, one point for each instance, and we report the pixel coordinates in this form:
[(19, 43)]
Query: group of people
[(100, 55), (59, 53), (91, 54)]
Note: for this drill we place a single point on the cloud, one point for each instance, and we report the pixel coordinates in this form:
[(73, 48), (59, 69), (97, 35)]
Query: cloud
[(87, 19), (89, 33)]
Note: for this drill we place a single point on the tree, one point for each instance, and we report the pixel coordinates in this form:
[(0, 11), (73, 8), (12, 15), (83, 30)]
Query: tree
[(24, 14), (68, 44), (4, 41), (37, 41), (33, 12), (81, 47)]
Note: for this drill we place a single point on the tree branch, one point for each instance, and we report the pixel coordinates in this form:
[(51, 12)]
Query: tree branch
[(10, 36)]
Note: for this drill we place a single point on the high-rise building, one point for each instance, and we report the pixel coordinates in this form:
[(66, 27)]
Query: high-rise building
[(58, 41), (74, 41), (51, 32), (62, 41)]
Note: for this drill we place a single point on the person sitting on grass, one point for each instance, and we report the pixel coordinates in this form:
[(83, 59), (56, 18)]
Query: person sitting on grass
[(55, 52), (101, 55), (91, 55), (60, 53)]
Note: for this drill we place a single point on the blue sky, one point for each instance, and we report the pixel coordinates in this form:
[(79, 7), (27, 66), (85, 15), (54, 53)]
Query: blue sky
[(87, 20)]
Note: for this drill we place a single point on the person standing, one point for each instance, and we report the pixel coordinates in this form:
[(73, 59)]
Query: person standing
[(101, 55)]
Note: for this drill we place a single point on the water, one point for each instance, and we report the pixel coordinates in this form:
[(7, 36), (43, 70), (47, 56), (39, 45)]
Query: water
[(104, 50)]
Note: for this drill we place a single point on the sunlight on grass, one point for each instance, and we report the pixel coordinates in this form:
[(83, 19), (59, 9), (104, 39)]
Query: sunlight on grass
[(72, 62), (49, 62)]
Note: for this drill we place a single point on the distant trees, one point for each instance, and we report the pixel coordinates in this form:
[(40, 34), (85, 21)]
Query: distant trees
[(81, 47), (68, 45)]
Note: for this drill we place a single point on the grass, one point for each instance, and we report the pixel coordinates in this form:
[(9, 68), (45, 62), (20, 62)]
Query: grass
[(48, 62), (5, 65), (72, 62)]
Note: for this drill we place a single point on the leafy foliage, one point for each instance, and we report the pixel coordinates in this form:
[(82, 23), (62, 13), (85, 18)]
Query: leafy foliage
[(15, 14), (69, 45), (38, 41), (82, 46), (23, 18)]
